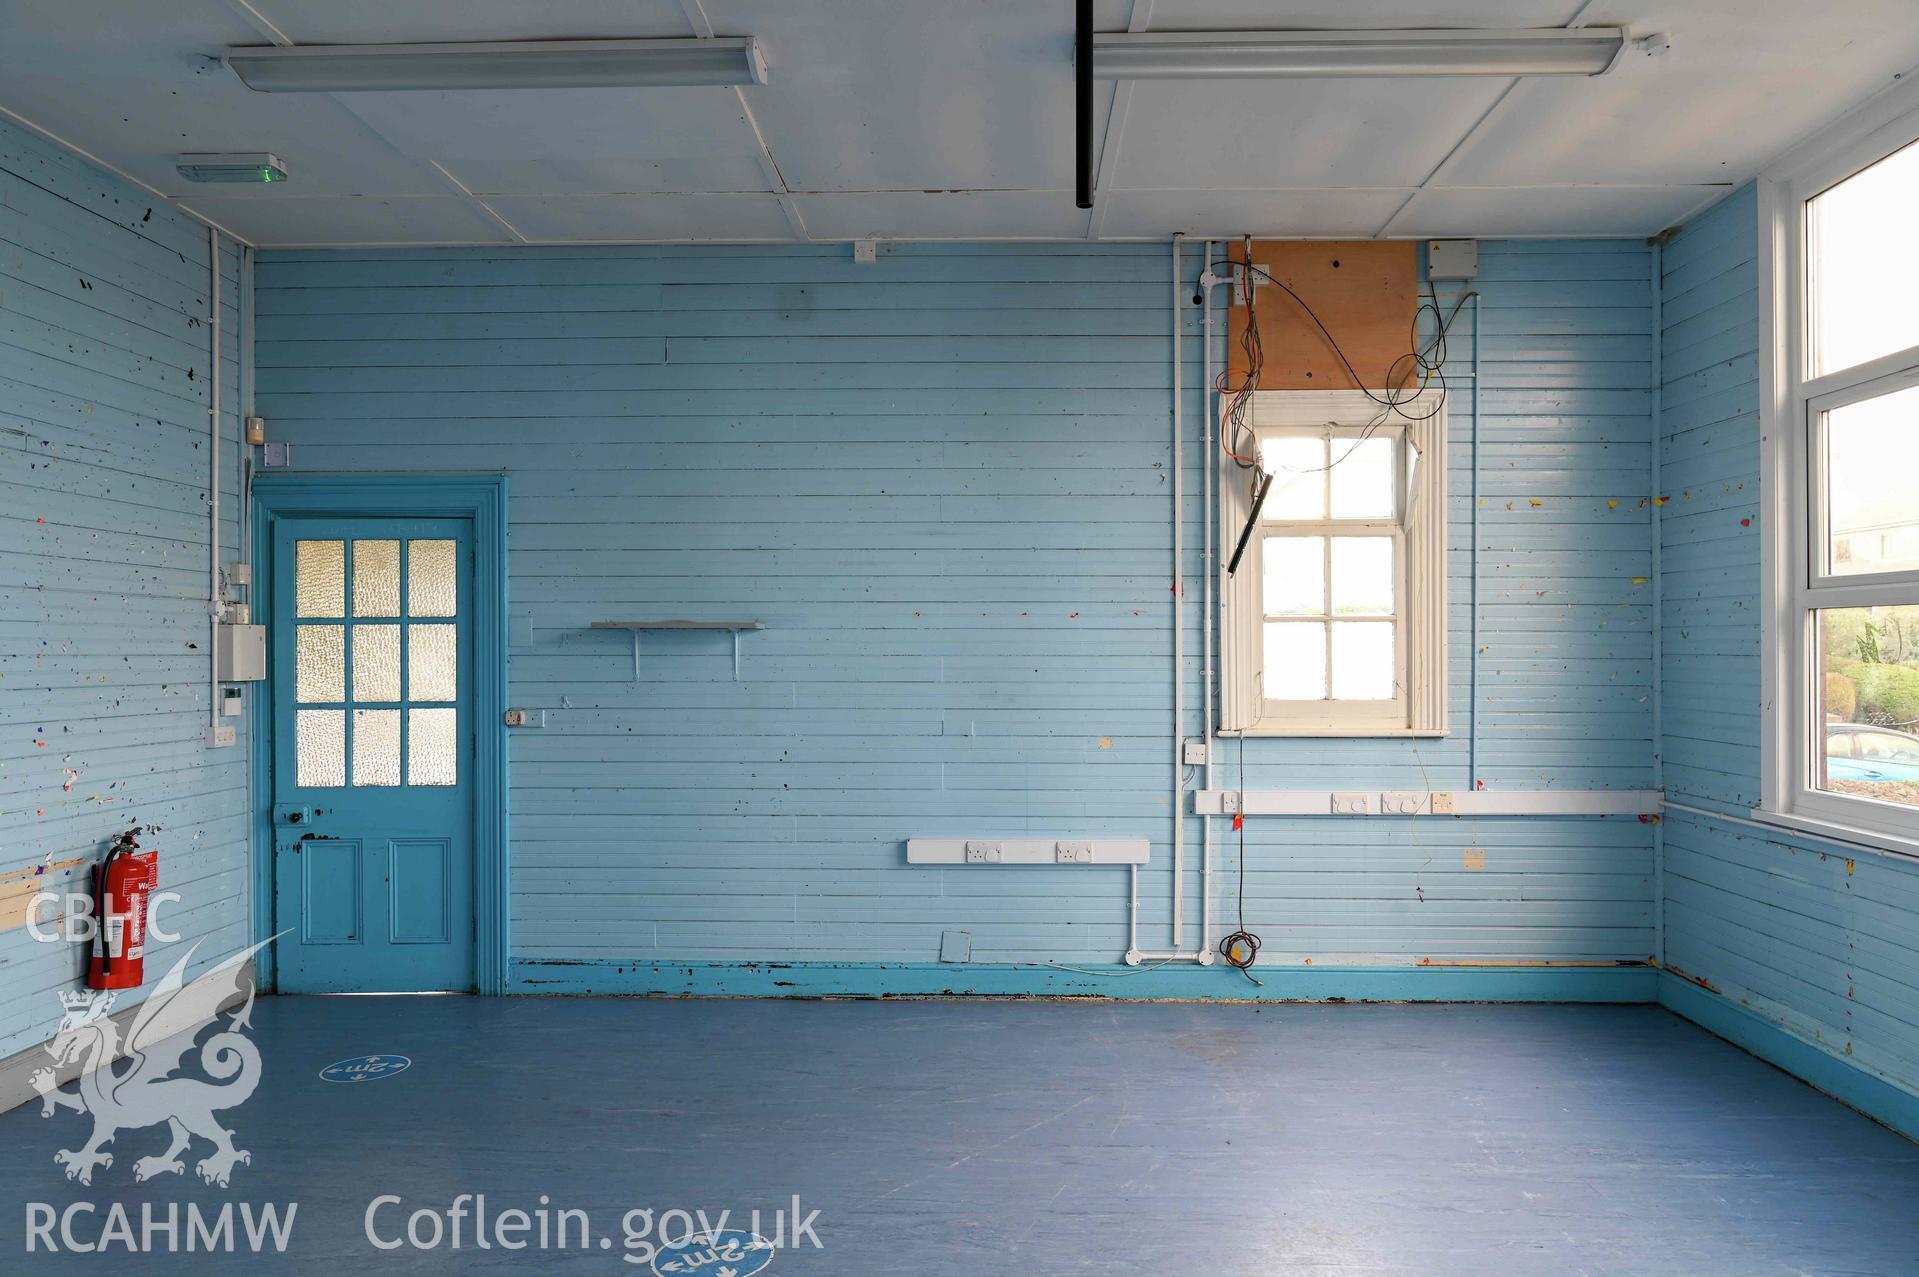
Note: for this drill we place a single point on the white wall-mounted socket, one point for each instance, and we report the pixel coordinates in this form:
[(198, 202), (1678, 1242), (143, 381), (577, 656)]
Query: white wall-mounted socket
[(1442, 802), (1073, 853), (1195, 754), (1402, 802), (222, 735), (982, 853), (1352, 804)]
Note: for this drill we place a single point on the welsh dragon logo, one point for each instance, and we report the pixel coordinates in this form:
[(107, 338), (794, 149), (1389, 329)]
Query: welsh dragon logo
[(140, 1090)]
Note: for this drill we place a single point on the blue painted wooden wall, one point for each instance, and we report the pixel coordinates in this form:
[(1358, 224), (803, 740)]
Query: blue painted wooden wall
[(943, 483), (104, 357), (1790, 946)]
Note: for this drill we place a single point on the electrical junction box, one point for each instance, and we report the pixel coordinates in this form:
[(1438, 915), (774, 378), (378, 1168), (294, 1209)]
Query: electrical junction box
[(1452, 259), (239, 653)]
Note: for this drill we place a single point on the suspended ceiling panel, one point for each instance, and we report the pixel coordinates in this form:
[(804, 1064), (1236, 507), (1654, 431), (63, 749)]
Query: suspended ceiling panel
[(1547, 210), (354, 219), (575, 141), (616, 218), (943, 120), (1277, 133), (942, 215), (1291, 214), (879, 95), (1727, 98)]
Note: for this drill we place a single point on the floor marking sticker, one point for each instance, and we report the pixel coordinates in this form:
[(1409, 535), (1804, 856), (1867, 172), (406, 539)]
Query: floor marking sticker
[(365, 1068)]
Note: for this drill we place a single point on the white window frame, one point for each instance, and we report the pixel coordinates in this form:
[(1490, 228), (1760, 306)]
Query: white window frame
[(1793, 403), (1419, 709)]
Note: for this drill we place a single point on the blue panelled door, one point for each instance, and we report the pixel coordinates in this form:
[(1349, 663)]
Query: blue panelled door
[(372, 667)]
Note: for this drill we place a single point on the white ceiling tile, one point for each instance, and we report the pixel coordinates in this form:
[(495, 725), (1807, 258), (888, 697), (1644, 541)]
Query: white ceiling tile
[(584, 141), (943, 215), (430, 21), (884, 96), (1267, 133), (1487, 211), (350, 219), (1294, 213), (1730, 94), (644, 218)]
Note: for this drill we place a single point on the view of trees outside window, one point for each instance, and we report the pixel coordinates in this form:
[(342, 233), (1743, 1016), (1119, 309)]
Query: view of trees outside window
[(1869, 659)]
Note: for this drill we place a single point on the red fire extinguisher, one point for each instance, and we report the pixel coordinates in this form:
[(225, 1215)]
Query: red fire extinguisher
[(121, 885)]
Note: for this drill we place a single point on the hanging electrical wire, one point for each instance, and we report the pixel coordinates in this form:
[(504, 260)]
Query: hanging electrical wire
[(1406, 379), (1406, 382)]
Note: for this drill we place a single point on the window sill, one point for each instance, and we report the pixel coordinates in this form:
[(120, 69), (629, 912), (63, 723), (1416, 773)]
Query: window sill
[(1875, 841)]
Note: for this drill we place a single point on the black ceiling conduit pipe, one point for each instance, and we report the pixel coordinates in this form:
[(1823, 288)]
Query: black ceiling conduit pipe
[(1083, 102)]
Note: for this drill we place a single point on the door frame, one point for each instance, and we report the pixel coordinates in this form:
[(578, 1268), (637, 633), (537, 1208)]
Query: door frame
[(482, 499)]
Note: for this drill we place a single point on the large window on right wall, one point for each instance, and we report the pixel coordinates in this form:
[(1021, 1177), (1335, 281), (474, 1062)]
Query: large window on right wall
[(1842, 641)]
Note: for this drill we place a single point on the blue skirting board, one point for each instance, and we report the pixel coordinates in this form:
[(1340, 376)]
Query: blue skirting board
[(1812, 1063), (1186, 981)]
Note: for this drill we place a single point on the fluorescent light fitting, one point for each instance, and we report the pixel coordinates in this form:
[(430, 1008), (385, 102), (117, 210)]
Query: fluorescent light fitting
[(253, 167), (500, 64), (1245, 54)]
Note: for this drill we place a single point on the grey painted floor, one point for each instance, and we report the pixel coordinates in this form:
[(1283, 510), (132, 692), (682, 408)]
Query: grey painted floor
[(1047, 1138)]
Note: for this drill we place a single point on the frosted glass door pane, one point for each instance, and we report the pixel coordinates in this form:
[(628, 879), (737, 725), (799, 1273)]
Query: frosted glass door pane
[(376, 662), (1362, 661), (1363, 576), (433, 747), (432, 663), (1298, 467), (376, 578), (432, 578), (319, 663), (376, 747), (1363, 479), (1295, 569), (1295, 661), (319, 747), (319, 578)]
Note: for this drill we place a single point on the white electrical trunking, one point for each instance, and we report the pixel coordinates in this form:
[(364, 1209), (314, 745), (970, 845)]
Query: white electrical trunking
[(1027, 851)]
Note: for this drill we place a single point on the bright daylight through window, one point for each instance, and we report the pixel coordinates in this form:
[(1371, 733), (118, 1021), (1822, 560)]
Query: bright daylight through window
[(1849, 745), (1335, 616)]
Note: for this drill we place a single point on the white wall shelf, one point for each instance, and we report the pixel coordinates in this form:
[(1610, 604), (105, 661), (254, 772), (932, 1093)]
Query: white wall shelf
[(637, 628)]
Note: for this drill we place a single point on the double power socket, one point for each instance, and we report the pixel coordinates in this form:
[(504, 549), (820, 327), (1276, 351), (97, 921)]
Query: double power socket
[(1393, 802)]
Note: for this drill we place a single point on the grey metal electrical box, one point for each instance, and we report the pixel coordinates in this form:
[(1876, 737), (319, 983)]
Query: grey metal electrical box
[(1452, 259), (239, 653)]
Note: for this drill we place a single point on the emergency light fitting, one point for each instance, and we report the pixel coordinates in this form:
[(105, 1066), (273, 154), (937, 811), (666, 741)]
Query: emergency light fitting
[(253, 167), (1455, 51), (497, 64)]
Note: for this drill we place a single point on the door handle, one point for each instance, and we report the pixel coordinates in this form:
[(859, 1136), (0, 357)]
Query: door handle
[(292, 815)]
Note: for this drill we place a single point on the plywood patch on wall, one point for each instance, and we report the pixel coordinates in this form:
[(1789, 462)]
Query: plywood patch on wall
[(1364, 291)]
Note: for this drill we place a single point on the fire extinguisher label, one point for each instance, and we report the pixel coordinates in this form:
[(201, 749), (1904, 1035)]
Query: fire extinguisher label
[(115, 932)]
